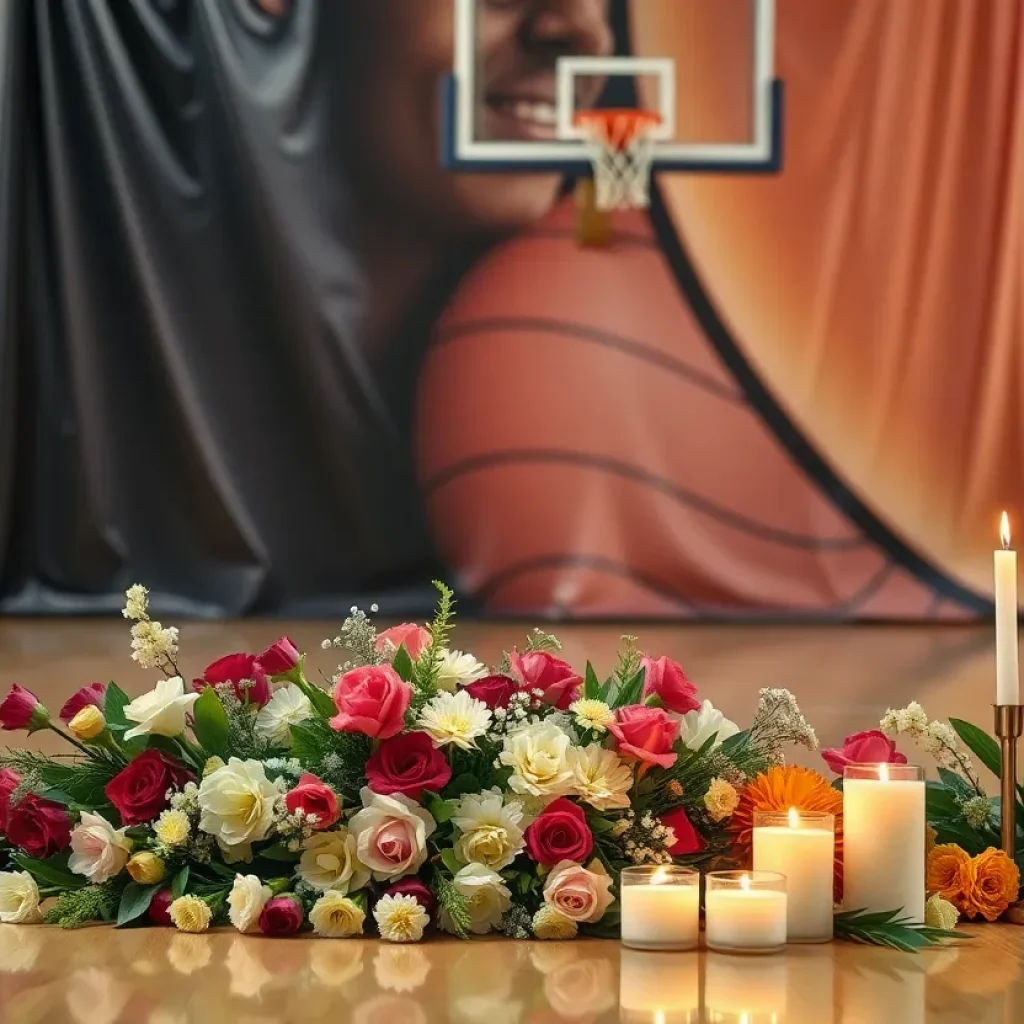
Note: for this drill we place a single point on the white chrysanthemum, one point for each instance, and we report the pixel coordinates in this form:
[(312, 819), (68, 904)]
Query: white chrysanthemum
[(190, 914), (246, 901), (592, 714), (455, 718), (153, 645), (329, 861), (457, 669), (549, 923), (697, 727), (335, 916), (487, 896), (600, 777), (537, 756), (237, 802), (162, 711), (489, 831), (98, 850), (287, 707), (19, 898), (136, 605), (400, 918), (172, 828)]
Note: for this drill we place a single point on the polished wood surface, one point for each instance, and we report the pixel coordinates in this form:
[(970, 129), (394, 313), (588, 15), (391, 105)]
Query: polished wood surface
[(845, 678)]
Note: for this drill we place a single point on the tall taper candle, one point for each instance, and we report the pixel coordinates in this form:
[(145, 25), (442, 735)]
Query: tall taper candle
[(1007, 677)]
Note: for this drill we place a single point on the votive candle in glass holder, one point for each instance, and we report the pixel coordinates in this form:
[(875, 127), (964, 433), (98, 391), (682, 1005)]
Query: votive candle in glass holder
[(745, 911), (660, 907), (801, 845), (884, 838)]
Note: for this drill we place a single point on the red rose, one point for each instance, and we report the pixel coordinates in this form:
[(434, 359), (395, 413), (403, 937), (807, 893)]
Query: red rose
[(371, 700), (415, 888), (409, 764), (160, 908), (688, 839), (39, 827), (9, 781), (281, 658), (235, 669), (313, 796), (871, 747), (139, 792), (560, 833), (538, 670), (646, 734), (281, 916), (494, 691), (415, 638), (666, 680), (21, 709), (94, 694)]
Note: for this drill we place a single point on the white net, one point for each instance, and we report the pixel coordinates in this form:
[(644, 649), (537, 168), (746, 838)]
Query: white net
[(622, 147)]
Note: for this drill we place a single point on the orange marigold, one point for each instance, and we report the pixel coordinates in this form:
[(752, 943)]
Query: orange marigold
[(997, 882), (779, 789), (950, 873)]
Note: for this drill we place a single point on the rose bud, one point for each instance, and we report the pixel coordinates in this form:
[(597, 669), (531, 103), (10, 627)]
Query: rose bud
[(21, 709), (88, 724), (94, 694), (281, 916), (160, 907), (314, 797), (146, 868), (281, 659)]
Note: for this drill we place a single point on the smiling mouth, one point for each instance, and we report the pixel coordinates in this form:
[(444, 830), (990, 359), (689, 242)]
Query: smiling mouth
[(512, 118)]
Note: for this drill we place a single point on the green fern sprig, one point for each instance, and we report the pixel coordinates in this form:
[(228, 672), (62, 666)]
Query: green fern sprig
[(455, 903), (538, 640), (80, 906), (887, 928), (428, 666)]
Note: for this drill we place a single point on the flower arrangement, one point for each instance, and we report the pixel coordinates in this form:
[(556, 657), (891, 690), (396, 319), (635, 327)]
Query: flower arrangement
[(416, 789)]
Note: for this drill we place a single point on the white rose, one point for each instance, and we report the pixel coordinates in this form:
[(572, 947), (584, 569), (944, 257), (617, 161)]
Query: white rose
[(246, 901), (489, 830), (697, 727), (98, 850), (289, 706), (330, 861), (19, 898), (237, 802), (161, 712), (335, 916), (391, 834), (537, 757), (488, 898)]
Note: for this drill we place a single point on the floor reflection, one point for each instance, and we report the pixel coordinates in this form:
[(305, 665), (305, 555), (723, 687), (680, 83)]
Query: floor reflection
[(145, 976)]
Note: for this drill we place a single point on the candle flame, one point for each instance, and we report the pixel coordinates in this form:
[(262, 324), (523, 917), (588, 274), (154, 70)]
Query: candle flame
[(883, 773), (745, 882), (1004, 531), (661, 876), (794, 818)]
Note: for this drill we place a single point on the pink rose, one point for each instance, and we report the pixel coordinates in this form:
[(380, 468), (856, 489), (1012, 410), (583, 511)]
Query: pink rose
[(581, 894), (688, 839), (9, 782), (560, 833), (494, 691), (419, 892), (871, 747), (313, 796), (409, 764), (645, 734), (281, 658), (92, 695), (281, 916), (371, 700), (666, 680), (391, 834), (21, 709), (415, 638), (538, 670), (39, 827), (160, 908), (236, 669)]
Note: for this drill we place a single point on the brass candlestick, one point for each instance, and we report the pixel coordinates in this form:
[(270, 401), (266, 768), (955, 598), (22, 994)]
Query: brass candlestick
[(1009, 726)]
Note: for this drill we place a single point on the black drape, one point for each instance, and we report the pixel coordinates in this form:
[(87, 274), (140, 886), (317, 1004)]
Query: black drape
[(183, 401)]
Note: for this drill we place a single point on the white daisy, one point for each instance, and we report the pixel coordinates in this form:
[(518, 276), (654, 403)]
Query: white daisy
[(289, 706), (455, 718)]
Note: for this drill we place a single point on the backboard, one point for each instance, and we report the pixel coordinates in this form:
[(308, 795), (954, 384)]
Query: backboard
[(704, 67)]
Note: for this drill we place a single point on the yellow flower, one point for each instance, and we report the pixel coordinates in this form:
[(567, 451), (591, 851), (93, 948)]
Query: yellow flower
[(400, 918), (190, 914), (88, 723), (335, 916), (146, 868), (721, 800), (549, 923), (940, 913), (592, 714), (172, 828)]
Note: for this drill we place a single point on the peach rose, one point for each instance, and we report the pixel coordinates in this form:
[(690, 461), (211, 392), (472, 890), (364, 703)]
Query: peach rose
[(416, 639), (997, 882), (950, 872), (581, 894)]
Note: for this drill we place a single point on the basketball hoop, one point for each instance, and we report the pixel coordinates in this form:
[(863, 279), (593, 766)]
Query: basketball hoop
[(622, 146)]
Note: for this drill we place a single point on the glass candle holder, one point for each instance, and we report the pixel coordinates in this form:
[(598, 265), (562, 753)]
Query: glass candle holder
[(801, 845), (884, 838), (660, 907), (745, 911)]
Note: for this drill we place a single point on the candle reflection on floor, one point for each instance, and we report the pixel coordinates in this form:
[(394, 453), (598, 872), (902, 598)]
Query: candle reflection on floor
[(659, 987)]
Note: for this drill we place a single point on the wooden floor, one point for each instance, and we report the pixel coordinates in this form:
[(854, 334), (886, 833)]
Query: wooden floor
[(845, 678)]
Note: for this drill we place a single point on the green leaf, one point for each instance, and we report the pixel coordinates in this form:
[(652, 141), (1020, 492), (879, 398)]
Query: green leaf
[(461, 784), (940, 802), (451, 862), (322, 701), (135, 901), (79, 782), (180, 882), (279, 852), (979, 743), (52, 871), (599, 826), (402, 663), (735, 742), (961, 788), (114, 703), (441, 810), (887, 928), (591, 684), (210, 723), (632, 690)]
